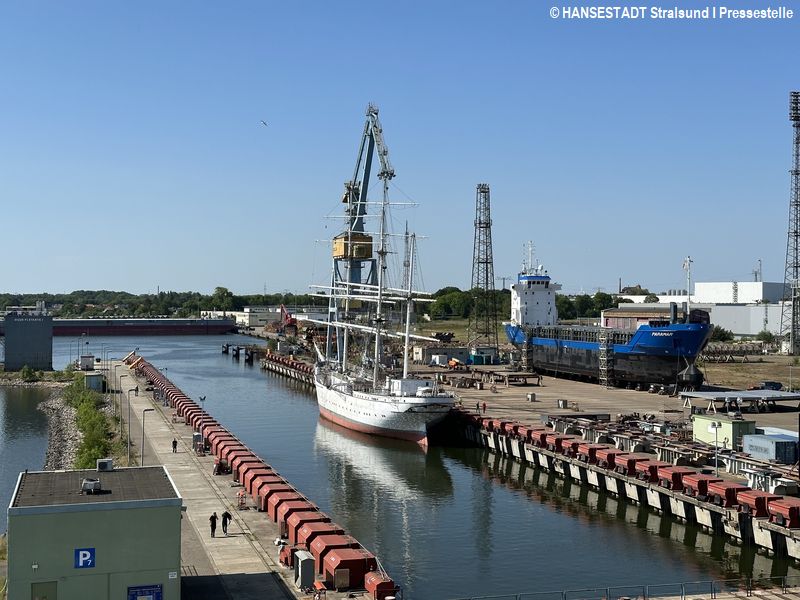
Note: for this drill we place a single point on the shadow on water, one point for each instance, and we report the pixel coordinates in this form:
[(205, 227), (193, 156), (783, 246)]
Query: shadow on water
[(23, 437), (594, 507)]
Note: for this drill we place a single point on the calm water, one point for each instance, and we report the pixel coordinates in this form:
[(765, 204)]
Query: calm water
[(447, 523)]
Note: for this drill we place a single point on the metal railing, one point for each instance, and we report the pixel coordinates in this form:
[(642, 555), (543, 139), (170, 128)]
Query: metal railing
[(731, 588)]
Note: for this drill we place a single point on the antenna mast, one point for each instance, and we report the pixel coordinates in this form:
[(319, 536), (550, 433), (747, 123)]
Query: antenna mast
[(482, 330), (790, 317)]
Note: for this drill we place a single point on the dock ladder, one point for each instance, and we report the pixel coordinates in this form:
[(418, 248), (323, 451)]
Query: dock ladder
[(606, 356)]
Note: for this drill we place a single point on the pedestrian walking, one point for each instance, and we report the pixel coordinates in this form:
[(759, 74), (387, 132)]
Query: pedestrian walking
[(484, 408), (226, 517), (478, 407), (136, 390), (174, 445), (213, 520)]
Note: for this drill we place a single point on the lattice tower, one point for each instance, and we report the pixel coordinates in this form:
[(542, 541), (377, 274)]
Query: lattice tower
[(790, 318), (482, 329)]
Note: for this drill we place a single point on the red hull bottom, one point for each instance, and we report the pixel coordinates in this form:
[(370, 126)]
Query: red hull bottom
[(411, 436)]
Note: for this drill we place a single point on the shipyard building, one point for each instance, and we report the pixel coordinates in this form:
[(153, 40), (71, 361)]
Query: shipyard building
[(28, 341), (109, 533), (745, 308)]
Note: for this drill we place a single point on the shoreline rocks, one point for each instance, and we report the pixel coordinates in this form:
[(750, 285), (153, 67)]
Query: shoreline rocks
[(63, 436)]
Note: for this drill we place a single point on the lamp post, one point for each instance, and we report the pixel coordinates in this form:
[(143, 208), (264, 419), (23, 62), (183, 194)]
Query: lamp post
[(129, 426), (790, 378), (146, 410), (716, 425), (115, 377)]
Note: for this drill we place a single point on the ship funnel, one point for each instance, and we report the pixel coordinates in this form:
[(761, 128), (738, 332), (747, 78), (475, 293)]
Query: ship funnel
[(673, 313)]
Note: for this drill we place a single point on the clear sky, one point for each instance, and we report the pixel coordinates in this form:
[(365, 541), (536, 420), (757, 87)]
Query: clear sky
[(132, 157)]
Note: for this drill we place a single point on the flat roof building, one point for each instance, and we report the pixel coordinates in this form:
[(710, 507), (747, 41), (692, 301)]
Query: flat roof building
[(95, 534)]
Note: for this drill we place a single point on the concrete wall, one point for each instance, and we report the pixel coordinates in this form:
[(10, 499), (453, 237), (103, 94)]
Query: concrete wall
[(133, 547), (748, 319), (28, 341)]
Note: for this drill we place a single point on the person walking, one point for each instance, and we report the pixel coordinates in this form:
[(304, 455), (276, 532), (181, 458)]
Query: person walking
[(484, 408), (226, 517), (478, 407), (213, 520), (174, 445)]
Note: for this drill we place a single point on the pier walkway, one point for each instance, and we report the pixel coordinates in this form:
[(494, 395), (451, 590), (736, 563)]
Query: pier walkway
[(241, 566)]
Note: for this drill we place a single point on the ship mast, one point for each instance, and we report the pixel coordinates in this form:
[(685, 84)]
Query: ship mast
[(412, 239)]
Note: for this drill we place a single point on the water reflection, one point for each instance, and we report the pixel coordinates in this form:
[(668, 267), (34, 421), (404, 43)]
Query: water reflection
[(716, 553), (23, 437), (397, 469)]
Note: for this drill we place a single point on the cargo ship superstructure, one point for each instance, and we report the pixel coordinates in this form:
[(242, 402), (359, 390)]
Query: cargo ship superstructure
[(659, 352), (360, 392)]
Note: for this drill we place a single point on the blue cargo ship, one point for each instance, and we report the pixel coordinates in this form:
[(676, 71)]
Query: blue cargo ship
[(659, 352)]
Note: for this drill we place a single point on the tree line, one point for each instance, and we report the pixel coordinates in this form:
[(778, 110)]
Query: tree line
[(451, 302), (100, 303)]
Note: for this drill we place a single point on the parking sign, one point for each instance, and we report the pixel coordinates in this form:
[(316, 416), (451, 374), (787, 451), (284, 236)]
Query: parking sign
[(84, 558)]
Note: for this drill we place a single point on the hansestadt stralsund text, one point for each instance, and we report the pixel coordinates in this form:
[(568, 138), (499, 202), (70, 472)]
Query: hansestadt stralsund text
[(671, 12)]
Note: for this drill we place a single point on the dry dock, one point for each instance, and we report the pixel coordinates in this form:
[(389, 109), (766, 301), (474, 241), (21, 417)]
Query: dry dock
[(245, 564)]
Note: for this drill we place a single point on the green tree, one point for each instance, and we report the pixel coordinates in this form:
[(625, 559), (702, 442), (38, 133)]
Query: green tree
[(565, 308), (222, 298), (720, 334), (766, 336), (583, 305), (651, 298), (600, 302)]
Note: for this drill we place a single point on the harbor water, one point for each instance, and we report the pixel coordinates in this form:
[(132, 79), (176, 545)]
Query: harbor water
[(446, 523)]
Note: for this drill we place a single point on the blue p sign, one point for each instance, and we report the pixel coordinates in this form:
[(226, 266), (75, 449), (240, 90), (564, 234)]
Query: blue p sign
[(84, 558)]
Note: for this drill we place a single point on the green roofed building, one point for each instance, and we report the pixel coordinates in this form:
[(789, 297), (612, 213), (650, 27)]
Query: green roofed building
[(105, 533)]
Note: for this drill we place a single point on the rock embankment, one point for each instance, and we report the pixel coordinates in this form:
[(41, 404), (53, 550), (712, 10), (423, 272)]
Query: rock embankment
[(64, 437)]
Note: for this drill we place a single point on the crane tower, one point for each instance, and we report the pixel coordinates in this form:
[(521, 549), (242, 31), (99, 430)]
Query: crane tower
[(483, 319), (790, 318)]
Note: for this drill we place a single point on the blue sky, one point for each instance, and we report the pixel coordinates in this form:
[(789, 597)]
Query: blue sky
[(132, 156)]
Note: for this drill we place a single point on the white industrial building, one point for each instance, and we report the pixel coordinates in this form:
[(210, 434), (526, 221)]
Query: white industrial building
[(745, 308), (723, 292)]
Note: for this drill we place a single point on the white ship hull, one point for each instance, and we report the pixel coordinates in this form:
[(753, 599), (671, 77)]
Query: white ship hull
[(401, 417)]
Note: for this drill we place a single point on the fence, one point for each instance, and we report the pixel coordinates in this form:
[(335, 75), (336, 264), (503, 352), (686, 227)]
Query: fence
[(727, 588)]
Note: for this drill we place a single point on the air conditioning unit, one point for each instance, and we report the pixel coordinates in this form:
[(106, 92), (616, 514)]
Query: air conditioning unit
[(105, 464), (90, 486)]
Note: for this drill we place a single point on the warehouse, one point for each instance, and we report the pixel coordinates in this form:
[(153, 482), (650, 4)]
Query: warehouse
[(106, 533)]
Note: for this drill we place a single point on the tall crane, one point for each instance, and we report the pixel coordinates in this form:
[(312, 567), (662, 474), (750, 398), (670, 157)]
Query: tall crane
[(355, 246)]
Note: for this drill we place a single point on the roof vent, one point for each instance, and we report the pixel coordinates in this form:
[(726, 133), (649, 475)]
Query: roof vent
[(90, 486), (105, 464)]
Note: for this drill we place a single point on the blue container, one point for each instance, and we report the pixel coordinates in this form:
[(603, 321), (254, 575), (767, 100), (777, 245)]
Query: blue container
[(781, 449)]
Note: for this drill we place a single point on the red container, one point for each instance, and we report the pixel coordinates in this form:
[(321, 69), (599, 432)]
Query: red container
[(539, 437), (216, 434), (184, 405), (588, 452), (216, 440), (510, 428), (379, 586), (228, 452), (627, 465), (785, 512), (726, 493), (571, 446), (608, 458), (558, 442), (323, 544), (241, 460), (296, 520), (524, 433), (755, 502), (310, 531), (672, 477), (224, 444), (357, 562), (205, 420), (250, 472), (287, 509), (197, 420), (275, 500), (207, 429), (697, 484), (647, 470), (191, 412), (286, 556), (265, 485)]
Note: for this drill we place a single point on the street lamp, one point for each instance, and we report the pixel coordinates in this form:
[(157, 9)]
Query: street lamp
[(129, 425), (715, 425), (146, 410), (115, 377)]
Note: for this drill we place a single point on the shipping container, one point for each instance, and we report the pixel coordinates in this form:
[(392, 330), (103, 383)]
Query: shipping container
[(781, 449)]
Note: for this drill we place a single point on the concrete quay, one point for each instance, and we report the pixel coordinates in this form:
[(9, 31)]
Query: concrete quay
[(243, 565)]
